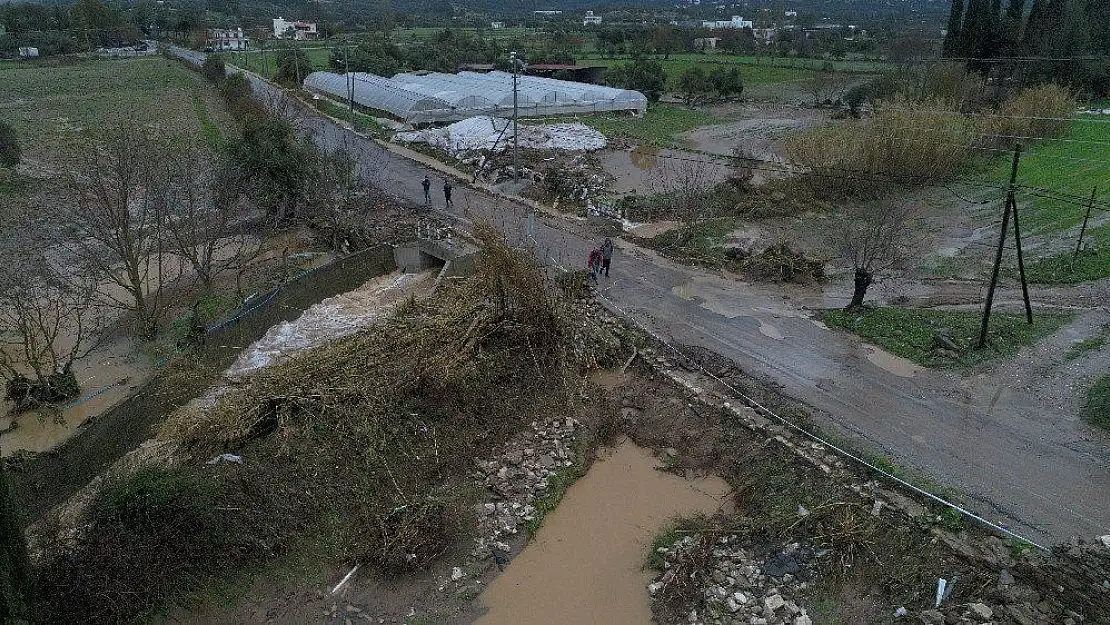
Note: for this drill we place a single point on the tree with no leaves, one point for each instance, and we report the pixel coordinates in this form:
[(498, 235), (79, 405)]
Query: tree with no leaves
[(115, 223), (48, 321), (205, 220), (877, 237), (683, 186)]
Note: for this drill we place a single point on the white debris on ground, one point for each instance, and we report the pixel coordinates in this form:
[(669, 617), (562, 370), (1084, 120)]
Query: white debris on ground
[(1094, 111), (514, 481), (332, 318), (738, 588), (496, 134)]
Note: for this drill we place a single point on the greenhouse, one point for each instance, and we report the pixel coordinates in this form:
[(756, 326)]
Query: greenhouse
[(433, 97)]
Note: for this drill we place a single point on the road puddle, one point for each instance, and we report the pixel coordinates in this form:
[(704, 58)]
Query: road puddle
[(894, 364), (769, 330), (644, 156), (586, 565)]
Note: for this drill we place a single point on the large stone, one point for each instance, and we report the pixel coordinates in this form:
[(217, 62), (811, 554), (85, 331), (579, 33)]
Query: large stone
[(981, 611), (803, 620), (774, 602), (1006, 578)]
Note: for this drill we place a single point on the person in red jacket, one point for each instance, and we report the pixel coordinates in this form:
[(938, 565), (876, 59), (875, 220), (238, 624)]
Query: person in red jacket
[(594, 263)]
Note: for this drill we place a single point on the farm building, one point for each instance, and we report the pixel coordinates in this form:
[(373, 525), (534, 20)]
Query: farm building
[(434, 97)]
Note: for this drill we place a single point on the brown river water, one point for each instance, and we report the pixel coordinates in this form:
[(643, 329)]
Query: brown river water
[(586, 565)]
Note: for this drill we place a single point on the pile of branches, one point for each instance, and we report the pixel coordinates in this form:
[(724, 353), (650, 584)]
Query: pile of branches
[(781, 263)]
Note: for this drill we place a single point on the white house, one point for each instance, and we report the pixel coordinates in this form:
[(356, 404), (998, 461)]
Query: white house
[(497, 25), (591, 19), (221, 39), (28, 53), (736, 22), (295, 30)]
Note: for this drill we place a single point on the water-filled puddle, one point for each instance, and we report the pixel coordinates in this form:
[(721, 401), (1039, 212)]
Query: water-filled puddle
[(889, 362), (586, 564)]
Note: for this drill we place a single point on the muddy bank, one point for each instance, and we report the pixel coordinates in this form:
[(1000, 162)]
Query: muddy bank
[(587, 563)]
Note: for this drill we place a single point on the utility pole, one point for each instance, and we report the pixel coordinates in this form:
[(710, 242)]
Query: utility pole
[(1021, 257), (350, 85), (516, 135), (1001, 246), (1083, 228)]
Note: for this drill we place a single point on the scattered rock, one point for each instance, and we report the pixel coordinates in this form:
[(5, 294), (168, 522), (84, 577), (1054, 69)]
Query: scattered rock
[(981, 611)]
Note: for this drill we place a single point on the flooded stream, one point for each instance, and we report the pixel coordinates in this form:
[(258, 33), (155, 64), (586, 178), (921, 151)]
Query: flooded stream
[(586, 564)]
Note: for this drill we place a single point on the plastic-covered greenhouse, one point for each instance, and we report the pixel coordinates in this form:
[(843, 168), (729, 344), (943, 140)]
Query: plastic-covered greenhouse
[(434, 97)]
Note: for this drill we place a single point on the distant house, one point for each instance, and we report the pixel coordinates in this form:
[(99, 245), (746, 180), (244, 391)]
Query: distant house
[(766, 35), (222, 39), (706, 43), (28, 53), (736, 22), (497, 25), (590, 19), (298, 30), (547, 12)]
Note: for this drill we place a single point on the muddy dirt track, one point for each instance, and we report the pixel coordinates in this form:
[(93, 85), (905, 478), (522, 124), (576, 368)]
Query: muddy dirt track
[(1039, 471)]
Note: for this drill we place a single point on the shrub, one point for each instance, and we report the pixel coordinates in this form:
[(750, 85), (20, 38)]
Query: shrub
[(1034, 112), (214, 69), (903, 142), (645, 76)]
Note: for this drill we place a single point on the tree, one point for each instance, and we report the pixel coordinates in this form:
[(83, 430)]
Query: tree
[(48, 321), (205, 220), (374, 54), (269, 164), (115, 226), (682, 187), (214, 69), (728, 83), (643, 75), (9, 146), (694, 85), (878, 236), (826, 86), (292, 66)]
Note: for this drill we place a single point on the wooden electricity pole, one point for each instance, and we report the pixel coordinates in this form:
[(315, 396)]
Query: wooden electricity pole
[(1083, 228), (1011, 207)]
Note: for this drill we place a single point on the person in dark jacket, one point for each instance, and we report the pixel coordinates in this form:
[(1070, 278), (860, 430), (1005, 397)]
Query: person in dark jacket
[(606, 255), (427, 184), (447, 193)]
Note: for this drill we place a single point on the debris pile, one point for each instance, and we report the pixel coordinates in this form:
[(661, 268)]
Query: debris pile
[(520, 476), (780, 263), (496, 135), (733, 586)]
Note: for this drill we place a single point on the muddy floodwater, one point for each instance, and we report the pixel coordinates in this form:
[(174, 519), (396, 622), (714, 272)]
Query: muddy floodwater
[(586, 564)]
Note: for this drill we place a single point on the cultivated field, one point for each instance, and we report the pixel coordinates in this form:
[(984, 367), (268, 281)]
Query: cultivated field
[(52, 105)]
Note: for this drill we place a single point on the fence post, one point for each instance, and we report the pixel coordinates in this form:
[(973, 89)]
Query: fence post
[(1083, 229)]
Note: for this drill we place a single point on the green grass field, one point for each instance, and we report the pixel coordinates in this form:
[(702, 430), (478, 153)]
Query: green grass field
[(910, 333), (53, 106), (753, 74), (255, 61), (658, 126)]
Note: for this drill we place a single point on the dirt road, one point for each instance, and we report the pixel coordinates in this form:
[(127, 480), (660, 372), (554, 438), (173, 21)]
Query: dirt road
[(1040, 472)]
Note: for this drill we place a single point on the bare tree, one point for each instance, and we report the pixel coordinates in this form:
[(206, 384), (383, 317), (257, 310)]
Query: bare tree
[(116, 225), (48, 321), (338, 198), (877, 237), (683, 186), (206, 221)]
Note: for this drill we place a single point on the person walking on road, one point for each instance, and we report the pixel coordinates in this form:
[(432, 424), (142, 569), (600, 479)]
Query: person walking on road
[(594, 264), (427, 184), (606, 255), (447, 194)]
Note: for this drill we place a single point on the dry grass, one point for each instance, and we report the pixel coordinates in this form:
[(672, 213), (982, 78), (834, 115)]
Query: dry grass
[(903, 143), (1035, 112)]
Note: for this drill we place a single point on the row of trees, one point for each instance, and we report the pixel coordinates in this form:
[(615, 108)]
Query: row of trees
[(446, 51), (722, 83), (1046, 38)]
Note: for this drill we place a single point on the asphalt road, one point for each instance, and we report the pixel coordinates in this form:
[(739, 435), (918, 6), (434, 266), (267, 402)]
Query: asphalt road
[(1043, 474)]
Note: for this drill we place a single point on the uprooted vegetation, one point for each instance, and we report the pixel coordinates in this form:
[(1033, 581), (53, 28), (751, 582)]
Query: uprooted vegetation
[(357, 451)]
